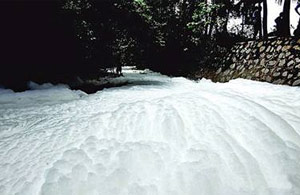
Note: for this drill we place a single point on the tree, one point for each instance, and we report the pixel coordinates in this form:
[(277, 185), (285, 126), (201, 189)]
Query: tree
[(165, 35), (265, 18), (246, 8), (286, 18)]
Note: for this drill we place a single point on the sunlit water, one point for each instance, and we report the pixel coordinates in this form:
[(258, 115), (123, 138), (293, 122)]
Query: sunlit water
[(158, 136)]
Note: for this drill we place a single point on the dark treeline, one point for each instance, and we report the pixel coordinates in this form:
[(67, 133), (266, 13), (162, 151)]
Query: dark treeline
[(54, 41), (38, 42)]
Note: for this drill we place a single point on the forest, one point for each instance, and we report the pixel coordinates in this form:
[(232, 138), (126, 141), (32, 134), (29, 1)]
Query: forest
[(55, 41)]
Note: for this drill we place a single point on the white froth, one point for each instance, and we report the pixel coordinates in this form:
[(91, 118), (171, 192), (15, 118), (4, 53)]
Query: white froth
[(156, 136)]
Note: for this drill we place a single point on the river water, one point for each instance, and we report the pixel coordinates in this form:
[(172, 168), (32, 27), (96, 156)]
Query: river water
[(156, 136)]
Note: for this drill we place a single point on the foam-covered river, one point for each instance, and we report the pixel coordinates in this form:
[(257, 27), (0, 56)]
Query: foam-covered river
[(158, 136)]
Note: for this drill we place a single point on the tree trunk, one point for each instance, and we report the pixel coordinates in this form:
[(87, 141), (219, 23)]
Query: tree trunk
[(286, 18), (225, 30), (265, 19)]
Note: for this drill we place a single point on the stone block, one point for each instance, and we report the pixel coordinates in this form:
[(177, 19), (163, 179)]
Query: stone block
[(281, 55), (263, 62), (272, 63), (296, 47), (262, 48), (219, 71), (282, 62), (279, 48), (290, 63), (285, 73), (276, 74), (278, 81), (260, 44), (296, 82)]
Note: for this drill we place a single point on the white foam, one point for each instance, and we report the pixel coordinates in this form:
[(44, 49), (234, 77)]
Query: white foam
[(159, 135)]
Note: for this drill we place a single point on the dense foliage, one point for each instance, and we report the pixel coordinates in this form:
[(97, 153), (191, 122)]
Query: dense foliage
[(171, 36), (57, 40)]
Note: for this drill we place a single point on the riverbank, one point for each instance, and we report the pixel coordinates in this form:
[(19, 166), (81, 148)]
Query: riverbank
[(276, 60)]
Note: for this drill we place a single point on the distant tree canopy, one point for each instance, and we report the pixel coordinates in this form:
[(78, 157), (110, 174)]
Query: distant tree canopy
[(55, 40), (171, 36)]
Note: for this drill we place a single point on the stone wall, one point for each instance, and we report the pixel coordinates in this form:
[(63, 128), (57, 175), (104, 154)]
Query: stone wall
[(275, 61)]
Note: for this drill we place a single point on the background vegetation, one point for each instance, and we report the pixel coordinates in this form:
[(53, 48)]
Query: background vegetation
[(58, 40)]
